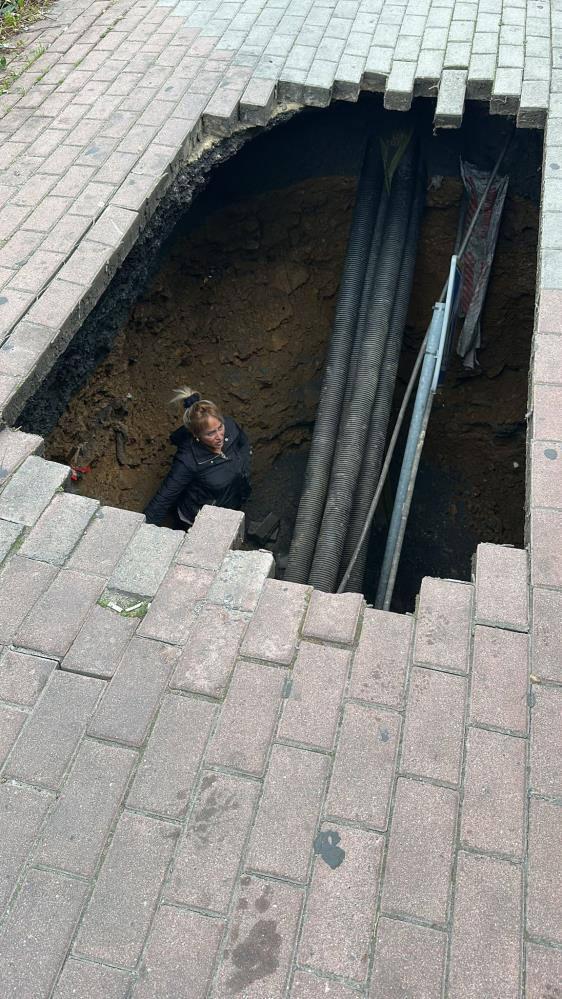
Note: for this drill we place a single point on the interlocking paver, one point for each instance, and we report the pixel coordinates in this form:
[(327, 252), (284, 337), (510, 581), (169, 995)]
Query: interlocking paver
[(434, 726), (493, 809), (31, 489), (240, 580), (274, 629), (22, 810), (544, 971), (506, 605), (379, 666), (144, 562), (104, 541), (307, 985), (313, 696), (333, 617), (59, 528), (208, 659), (443, 623), (547, 634), (546, 740), (174, 608), (409, 960), (89, 981), (11, 722), (53, 623), (500, 673), (544, 872), (22, 676), (180, 955), (100, 643)]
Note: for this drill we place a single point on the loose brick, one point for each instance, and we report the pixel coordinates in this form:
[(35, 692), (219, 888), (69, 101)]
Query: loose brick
[(172, 611), (409, 960), (443, 625), (31, 489), (15, 445), (312, 704), (258, 951), (59, 528), (240, 580), (22, 810), (547, 635), (544, 915), (364, 766), (420, 853), (105, 541), (9, 534), (544, 972), (209, 657), (274, 629), (55, 620), (90, 981), (209, 855), (337, 927), (434, 726), (133, 694), (76, 830), (100, 643), (46, 746), (379, 666), (21, 584), (11, 724), (486, 936), (500, 675), (180, 955), (493, 812), (166, 775), (333, 616), (285, 826), (248, 718), (23, 677), (309, 986), (504, 605), (546, 740), (144, 562), (120, 910)]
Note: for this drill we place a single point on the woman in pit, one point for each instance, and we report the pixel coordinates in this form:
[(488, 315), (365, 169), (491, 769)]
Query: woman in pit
[(211, 465)]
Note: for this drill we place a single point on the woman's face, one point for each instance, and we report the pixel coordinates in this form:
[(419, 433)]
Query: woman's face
[(212, 434)]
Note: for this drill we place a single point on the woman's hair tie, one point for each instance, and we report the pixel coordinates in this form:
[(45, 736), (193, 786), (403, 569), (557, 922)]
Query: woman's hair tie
[(191, 400), (186, 396)]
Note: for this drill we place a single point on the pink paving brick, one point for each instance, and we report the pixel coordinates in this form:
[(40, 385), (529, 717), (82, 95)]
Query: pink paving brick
[(105, 541), (502, 587), (91, 981), (333, 617), (434, 726), (379, 666), (209, 657), (52, 625), (486, 935), (409, 961), (364, 765), (22, 583), (544, 972), (210, 853), (500, 677), (544, 893), (307, 985), (173, 610), (22, 677), (547, 410), (548, 359), (443, 625), (285, 825), (180, 955), (313, 699), (248, 718), (11, 724), (546, 477), (546, 740), (547, 635), (100, 643), (257, 958), (550, 311), (240, 579), (22, 810), (338, 923), (420, 852), (493, 810), (274, 628), (546, 547)]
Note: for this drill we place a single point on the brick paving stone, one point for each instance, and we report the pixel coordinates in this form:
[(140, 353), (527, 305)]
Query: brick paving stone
[(22, 677), (274, 629), (285, 826), (379, 667), (490, 942), (500, 674), (546, 547), (308, 986), (263, 927), (22, 810), (550, 311), (240, 579), (11, 723), (49, 740), (105, 540), (547, 401), (75, 833), (248, 718), (544, 972), (547, 635), (506, 605), (31, 489), (90, 981), (125, 896), (337, 927), (548, 351), (434, 726), (168, 769), (364, 765), (312, 701), (132, 696), (409, 960), (544, 894), (493, 810), (209, 855), (333, 617), (420, 852), (100, 643), (546, 480), (15, 446), (173, 610), (546, 740), (59, 528), (38, 932), (208, 659), (180, 955), (443, 625), (53, 623), (144, 562)]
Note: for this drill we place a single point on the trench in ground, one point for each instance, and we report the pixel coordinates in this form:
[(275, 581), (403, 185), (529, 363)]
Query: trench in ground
[(241, 307)]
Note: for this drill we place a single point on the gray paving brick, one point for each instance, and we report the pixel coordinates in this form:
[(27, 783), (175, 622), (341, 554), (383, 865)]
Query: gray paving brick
[(450, 101), (544, 877), (333, 617), (547, 634), (132, 696), (544, 970), (274, 628), (499, 679), (443, 623), (364, 766), (312, 700), (240, 579), (22, 810), (504, 606), (408, 959), (337, 927), (546, 544), (319, 82), (307, 985), (144, 562), (493, 812), (59, 528), (434, 727), (546, 481), (174, 609), (22, 583), (180, 955), (31, 489), (12, 720), (23, 677), (400, 86), (75, 833), (53, 623), (209, 657), (89, 981), (105, 539), (120, 910), (547, 400), (379, 666), (100, 643), (506, 91), (546, 740)]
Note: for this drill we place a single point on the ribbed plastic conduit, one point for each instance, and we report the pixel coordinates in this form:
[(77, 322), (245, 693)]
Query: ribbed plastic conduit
[(331, 397), (355, 419), (374, 453)]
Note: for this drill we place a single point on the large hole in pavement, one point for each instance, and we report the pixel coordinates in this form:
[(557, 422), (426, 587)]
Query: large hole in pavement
[(241, 307)]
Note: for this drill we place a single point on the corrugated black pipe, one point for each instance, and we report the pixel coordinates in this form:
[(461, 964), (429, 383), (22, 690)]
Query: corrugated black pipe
[(356, 416), (374, 452), (319, 465)]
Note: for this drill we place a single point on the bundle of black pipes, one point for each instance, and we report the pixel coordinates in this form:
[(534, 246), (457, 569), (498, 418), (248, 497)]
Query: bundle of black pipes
[(350, 431)]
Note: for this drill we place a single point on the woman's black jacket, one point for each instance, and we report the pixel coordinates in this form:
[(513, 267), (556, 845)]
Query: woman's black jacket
[(198, 477)]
